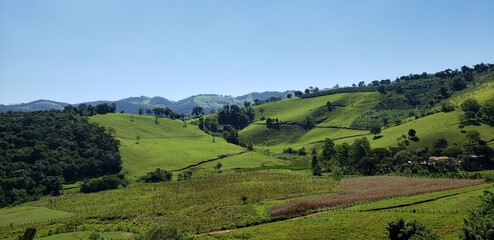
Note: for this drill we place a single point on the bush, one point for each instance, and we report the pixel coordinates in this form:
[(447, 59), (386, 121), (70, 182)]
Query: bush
[(401, 230), (158, 175), (101, 184)]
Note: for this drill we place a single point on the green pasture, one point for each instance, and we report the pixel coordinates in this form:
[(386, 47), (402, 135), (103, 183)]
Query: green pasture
[(297, 109), (248, 160), (167, 145), (29, 215)]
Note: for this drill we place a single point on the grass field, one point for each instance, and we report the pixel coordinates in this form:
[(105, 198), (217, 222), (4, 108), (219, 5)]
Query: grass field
[(27, 215), (167, 145)]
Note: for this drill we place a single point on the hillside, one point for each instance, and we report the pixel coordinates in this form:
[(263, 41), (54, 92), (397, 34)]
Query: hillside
[(355, 107), (167, 145)]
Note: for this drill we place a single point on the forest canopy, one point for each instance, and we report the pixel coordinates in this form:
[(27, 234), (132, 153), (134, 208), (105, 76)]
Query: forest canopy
[(39, 151)]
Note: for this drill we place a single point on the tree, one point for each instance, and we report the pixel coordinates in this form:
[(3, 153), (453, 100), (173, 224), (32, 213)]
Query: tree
[(261, 111), (381, 89), (411, 133), (141, 111), (247, 104), (375, 130), (198, 111), (298, 93), (316, 169), (458, 84), (289, 96), (473, 137), (307, 91), (480, 221), (470, 105)]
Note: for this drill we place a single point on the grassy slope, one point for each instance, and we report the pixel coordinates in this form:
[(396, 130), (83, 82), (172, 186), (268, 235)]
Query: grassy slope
[(23, 215), (298, 110), (429, 128), (167, 145)]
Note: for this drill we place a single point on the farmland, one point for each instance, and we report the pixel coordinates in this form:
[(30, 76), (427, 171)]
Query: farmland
[(268, 192)]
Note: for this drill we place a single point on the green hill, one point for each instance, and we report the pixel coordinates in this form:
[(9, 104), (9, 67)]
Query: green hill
[(166, 145), (337, 124)]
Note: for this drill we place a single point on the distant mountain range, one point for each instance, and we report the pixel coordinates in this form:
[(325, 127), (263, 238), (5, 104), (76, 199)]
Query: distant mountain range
[(132, 104)]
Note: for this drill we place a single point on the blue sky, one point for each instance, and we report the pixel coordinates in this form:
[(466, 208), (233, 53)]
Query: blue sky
[(76, 51)]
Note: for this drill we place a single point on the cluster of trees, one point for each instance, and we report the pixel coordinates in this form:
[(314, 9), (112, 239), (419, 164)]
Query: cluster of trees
[(290, 150), (273, 123), (166, 112), (41, 150), (88, 110), (235, 116), (227, 122), (258, 102), (359, 158), (473, 112)]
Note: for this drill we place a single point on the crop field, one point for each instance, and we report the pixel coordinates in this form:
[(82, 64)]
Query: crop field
[(442, 212), (357, 190), (87, 234), (207, 202), (167, 145)]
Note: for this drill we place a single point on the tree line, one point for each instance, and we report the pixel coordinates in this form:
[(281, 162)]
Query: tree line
[(41, 150), (359, 158)]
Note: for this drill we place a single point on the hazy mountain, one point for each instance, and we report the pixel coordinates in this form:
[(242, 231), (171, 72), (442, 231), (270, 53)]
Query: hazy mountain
[(133, 104)]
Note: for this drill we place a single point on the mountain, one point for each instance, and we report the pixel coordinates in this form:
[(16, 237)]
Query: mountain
[(33, 106), (208, 102)]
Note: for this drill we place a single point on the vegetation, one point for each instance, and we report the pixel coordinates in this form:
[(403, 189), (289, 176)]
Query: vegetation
[(39, 151), (480, 222), (302, 157), (401, 230), (357, 190)]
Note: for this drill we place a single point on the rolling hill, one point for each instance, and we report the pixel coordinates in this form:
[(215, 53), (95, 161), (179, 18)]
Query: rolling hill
[(132, 104)]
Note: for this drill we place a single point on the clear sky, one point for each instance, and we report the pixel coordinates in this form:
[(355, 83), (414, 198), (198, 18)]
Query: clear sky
[(84, 50)]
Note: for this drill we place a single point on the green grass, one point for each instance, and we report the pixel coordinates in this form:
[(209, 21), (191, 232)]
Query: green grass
[(248, 160), (23, 215), (86, 234), (429, 129), (297, 109), (167, 145), (207, 202)]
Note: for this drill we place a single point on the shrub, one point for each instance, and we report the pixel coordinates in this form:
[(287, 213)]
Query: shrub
[(101, 184), (401, 230), (158, 175)]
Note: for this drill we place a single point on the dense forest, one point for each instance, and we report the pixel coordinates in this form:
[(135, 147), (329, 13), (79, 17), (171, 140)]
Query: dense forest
[(41, 150)]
